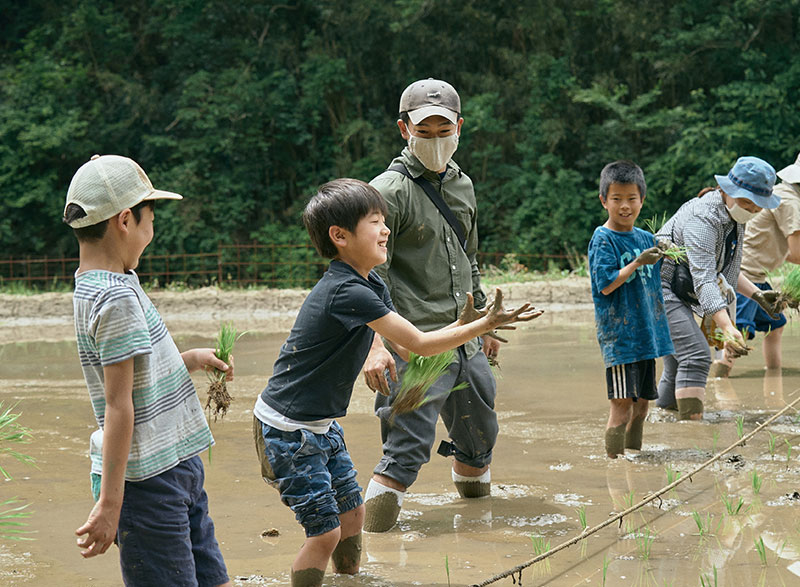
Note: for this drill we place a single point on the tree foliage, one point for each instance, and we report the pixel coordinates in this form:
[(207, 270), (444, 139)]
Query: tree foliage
[(245, 107)]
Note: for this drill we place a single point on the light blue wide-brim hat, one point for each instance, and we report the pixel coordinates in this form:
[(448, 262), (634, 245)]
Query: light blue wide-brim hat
[(751, 178)]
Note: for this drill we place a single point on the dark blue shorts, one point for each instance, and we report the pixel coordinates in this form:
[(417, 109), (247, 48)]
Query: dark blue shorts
[(165, 534), (313, 473), (632, 380), (751, 317)]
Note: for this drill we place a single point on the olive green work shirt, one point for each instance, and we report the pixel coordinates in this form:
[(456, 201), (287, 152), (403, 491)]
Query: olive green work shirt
[(426, 270)]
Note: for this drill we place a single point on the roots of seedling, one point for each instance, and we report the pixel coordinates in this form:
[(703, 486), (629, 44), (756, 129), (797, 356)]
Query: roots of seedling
[(786, 301), (409, 400), (221, 399)]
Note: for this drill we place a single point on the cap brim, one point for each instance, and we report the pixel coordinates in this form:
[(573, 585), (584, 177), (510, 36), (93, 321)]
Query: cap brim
[(769, 202), (421, 114), (790, 173), (162, 195)]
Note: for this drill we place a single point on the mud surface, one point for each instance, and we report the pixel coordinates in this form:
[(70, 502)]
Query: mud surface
[(548, 467)]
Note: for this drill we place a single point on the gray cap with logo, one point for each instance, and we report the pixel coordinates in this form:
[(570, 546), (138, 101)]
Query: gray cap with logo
[(430, 97)]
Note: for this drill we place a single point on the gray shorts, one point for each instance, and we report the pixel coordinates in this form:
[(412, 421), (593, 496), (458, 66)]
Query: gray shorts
[(689, 366), (467, 413)]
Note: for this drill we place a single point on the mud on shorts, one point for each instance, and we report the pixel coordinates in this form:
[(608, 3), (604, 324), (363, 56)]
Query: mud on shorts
[(467, 413), (632, 380), (165, 534), (752, 317), (313, 473)]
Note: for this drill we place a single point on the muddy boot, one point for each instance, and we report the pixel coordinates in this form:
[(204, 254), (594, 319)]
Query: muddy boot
[(381, 507), (633, 435), (615, 441), (719, 369), (310, 577), (473, 486), (690, 408), (347, 555)]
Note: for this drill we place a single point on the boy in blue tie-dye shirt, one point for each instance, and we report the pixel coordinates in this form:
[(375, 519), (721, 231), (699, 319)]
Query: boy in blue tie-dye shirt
[(629, 309)]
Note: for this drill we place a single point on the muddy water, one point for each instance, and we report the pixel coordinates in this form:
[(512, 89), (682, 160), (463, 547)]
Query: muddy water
[(548, 465)]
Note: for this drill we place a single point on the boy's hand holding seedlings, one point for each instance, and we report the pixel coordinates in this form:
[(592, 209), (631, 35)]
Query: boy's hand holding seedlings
[(206, 359)]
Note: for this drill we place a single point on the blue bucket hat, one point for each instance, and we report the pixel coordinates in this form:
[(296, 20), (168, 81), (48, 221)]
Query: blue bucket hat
[(751, 178)]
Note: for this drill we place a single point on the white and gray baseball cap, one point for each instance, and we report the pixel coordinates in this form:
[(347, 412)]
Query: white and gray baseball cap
[(106, 185), (429, 97)]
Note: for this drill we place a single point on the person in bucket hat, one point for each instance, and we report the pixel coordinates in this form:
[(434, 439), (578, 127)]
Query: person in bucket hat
[(771, 238), (711, 227)]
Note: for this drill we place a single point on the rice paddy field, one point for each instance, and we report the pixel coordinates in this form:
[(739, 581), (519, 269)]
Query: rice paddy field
[(736, 523)]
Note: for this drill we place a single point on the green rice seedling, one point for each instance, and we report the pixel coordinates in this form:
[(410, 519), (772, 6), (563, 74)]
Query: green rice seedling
[(11, 524), (709, 580), (672, 474), (725, 337), (703, 524), (790, 290), (582, 516), (771, 445), (644, 541), (757, 481), (740, 426), (606, 562), (540, 544), (675, 252), (11, 432), (218, 388), (761, 550), (447, 569), (654, 223), (733, 507), (420, 374)]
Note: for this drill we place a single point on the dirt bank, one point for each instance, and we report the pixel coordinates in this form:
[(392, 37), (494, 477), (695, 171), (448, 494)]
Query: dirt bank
[(48, 316)]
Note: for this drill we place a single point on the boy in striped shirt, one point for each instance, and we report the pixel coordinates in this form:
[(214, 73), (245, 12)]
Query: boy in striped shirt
[(629, 308), (147, 477)]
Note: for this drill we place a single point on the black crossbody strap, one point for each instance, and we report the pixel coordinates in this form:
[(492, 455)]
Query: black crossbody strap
[(437, 200)]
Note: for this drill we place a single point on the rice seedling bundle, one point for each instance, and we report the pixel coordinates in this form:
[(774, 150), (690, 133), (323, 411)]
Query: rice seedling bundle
[(218, 389), (421, 373), (790, 290)]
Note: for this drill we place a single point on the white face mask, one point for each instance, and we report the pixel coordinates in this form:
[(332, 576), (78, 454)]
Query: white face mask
[(433, 153), (740, 215)]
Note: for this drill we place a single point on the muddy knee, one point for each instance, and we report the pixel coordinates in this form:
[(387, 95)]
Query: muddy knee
[(690, 408), (347, 555)]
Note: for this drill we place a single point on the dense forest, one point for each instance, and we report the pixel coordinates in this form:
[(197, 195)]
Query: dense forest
[(245, 107)]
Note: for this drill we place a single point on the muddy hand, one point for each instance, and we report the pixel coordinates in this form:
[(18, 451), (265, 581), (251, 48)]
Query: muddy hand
[(770, 301), (499, 316), (469, 313), (650, 256), (735, 349), (665, 244)]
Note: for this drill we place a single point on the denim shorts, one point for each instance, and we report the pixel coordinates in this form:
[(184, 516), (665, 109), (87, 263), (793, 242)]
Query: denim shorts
[(313, 473), (165, 534), (751, 317)]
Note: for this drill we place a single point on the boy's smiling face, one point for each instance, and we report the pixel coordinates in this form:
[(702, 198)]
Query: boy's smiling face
[(365, 247), (623, 203)]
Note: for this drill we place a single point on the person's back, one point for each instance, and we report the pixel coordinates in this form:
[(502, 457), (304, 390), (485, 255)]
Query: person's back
[(147, 477)]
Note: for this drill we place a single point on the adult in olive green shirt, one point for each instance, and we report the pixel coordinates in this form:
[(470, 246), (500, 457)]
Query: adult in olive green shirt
[(429, 274)]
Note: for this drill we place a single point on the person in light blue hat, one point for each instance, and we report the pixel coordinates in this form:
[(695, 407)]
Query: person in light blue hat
[(711, 227)]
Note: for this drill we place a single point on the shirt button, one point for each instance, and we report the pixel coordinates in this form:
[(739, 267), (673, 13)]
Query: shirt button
[(453, 267), (458, 294), (448, 239)]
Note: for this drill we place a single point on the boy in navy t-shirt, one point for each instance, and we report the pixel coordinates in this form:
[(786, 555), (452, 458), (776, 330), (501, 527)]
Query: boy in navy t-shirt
[(629, 309), (300, 445)]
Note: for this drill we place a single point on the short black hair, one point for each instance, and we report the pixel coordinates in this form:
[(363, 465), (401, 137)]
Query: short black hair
[(622, 171), (341, 202), (94, 232)]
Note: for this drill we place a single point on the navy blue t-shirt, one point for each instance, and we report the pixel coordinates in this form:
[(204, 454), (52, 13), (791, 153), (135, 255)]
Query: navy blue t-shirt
[(318, 364), (631, 323)]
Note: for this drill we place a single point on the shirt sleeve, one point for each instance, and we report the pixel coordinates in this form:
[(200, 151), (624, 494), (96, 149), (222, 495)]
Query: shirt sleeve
[(787, 216), (603, 262), (700, 238), (119, 327), (354, 304)]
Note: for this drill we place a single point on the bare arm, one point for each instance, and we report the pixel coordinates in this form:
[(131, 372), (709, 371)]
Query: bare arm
[(649, 256), (794, 248), (745, 287), (204, 358), (98, 533)]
